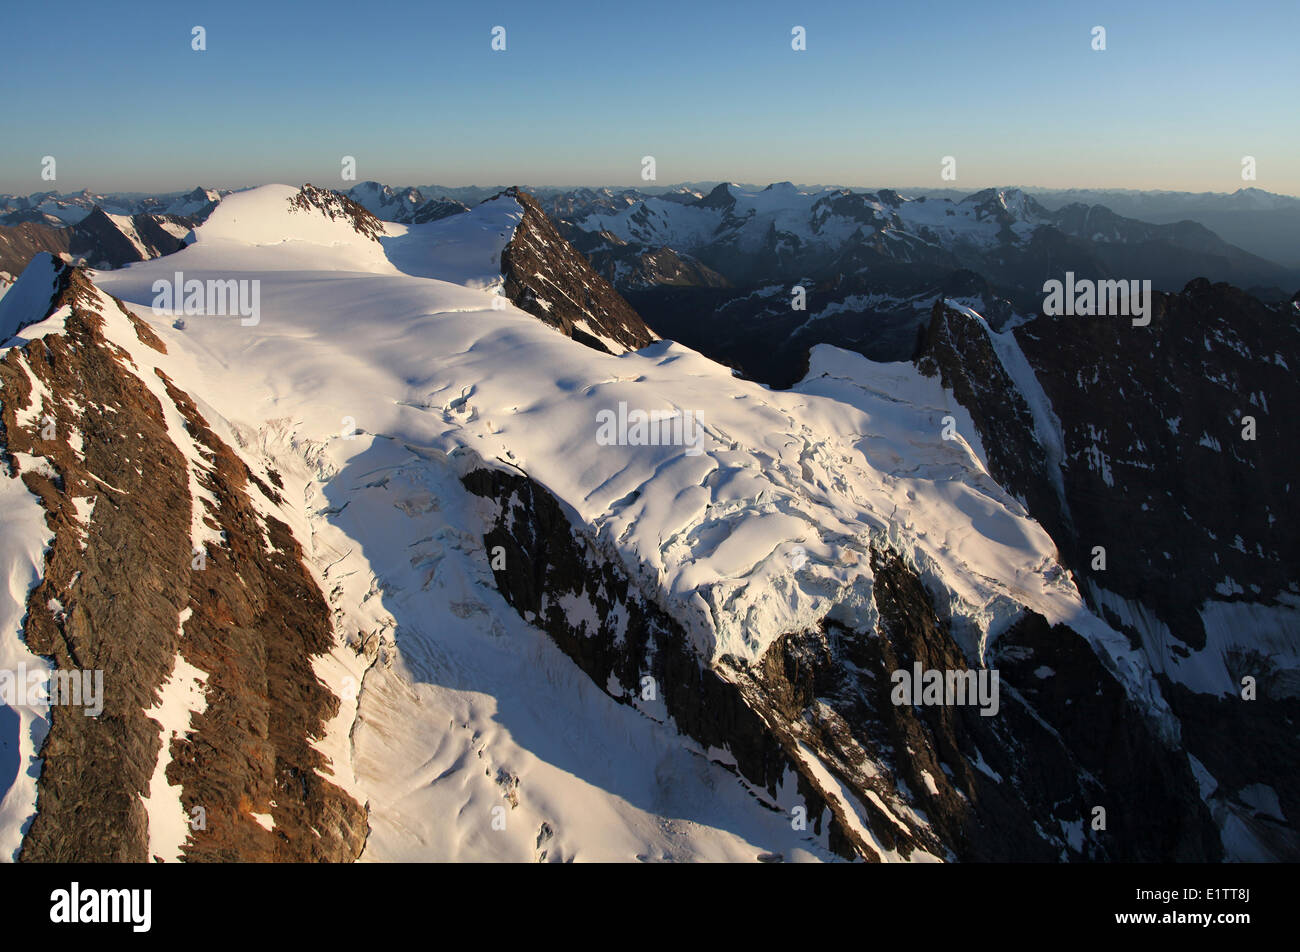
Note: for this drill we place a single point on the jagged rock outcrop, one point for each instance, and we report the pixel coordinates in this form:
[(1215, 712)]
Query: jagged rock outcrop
[(1157, 465), (545, 276), (634, 639), (959, 349), (337, 207), (97, 768)]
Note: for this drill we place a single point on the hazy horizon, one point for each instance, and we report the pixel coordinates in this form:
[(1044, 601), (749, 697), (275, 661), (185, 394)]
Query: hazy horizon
[(648, 187)]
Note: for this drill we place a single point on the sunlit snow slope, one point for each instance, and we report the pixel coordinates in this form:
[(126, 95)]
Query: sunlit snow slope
[(379, 371)]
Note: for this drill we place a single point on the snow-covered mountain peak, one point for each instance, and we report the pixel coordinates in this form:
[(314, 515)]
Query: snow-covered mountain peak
[(194, 204), (1257, 198), (279, 226), (1010, 203)]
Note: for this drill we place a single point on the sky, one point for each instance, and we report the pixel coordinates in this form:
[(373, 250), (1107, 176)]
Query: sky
[(1013, 91)]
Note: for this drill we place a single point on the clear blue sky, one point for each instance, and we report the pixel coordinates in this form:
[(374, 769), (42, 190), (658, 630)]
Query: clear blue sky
[(1012, 89)]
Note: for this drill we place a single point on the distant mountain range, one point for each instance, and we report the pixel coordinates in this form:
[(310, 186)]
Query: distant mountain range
[(52, 208), (717, 269), (1260, 222), (102, 231)]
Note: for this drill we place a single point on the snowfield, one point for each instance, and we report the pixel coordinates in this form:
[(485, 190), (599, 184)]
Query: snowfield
[(380, 371)]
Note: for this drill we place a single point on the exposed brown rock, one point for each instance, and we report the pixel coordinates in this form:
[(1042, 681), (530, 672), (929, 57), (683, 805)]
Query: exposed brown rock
[(257, 618), (548, 278), (337, 207), (121, 595)]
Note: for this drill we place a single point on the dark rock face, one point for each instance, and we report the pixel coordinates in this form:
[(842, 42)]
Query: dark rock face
[(548, 278), (1079, 718), (1157, 465), (255, 621), (258, 620), (956, 348), (19, 244), (1157, 469), (103, 243), (1021, 785), (97, 239), (1244, 744)]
